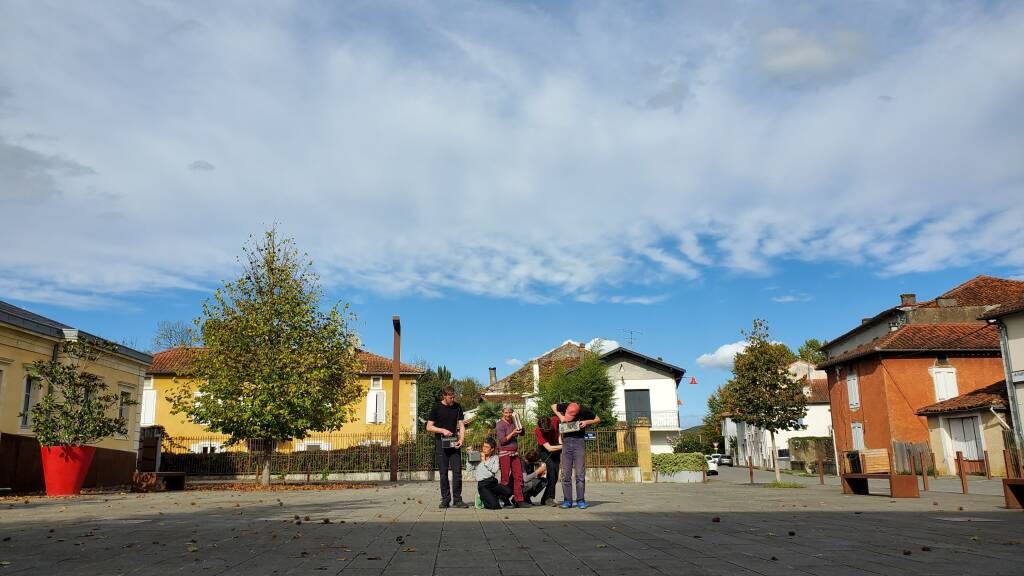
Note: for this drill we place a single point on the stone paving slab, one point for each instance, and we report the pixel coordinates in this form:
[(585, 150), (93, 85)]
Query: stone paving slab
[(398, 530)]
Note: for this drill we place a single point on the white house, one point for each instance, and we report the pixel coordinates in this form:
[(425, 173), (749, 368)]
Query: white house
[(756, 443), (644, 387)]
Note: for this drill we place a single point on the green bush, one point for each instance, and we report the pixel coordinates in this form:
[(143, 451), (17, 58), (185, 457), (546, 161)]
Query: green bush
[(672, 463)]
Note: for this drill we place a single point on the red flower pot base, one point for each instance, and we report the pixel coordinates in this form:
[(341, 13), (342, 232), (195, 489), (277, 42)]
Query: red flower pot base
[(65, 467)]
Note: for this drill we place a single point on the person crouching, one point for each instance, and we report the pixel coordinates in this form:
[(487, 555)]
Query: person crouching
[(490, 491)]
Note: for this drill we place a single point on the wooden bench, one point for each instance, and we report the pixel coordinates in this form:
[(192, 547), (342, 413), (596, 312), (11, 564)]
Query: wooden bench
[(876, 464), (1013, 491)]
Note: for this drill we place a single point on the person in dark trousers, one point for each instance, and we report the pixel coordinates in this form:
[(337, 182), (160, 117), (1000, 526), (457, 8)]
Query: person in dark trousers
[(550, 447), (574, 451), (446, 420), (491, 493)]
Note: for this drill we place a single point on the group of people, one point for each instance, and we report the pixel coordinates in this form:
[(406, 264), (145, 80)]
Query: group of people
[(504, 478)]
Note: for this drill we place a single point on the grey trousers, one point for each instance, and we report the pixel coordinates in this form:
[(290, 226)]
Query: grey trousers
[(573, 460)]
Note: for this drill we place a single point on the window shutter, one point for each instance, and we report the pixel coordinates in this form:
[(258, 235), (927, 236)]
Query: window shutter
[(381, 403), (853, 389), (945, 383), (371, 407)]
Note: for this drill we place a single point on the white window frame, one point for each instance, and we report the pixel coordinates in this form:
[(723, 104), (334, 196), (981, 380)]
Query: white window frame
[(937, 372), (853, 388), (376, 382), (28, 398), (147, 416), (210, 445), (853, 436), (125, 411)]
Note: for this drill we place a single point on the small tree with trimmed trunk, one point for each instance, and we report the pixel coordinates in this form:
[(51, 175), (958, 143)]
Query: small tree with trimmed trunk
[(762, 392), (274, 366)]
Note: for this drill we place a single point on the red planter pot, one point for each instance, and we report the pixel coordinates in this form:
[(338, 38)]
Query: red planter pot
[(65, 467)]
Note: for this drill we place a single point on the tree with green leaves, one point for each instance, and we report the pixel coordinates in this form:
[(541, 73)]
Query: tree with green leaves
[(587, 384), (467, 392), (711, 425), (77, 408), (762, 392), (275, 366), (811, 350), (487, 414)]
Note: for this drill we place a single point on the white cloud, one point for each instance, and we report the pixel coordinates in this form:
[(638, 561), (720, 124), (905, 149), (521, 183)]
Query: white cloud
[(722, 358), (601, 155), (513, 362), (602, 345)]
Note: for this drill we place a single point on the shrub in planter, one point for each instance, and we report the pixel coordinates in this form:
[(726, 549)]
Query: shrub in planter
[(75, 411), (674, 463)]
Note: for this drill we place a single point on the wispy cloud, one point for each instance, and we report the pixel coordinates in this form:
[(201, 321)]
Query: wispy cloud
[(525, 155), (513, 362), (787, 298)]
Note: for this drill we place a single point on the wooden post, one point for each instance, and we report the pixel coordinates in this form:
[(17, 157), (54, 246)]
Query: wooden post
[(988, 468), (935, 469), (1010, 472), (924, 473), (396, 322), (750, 468), (913, 465), (961, 471), (821, 471)]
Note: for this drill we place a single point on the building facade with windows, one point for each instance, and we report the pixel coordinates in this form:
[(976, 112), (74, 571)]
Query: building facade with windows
[(891, 366), (371, 418), (26, 337)]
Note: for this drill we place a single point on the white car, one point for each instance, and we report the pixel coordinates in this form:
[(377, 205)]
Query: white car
[(712, 465)]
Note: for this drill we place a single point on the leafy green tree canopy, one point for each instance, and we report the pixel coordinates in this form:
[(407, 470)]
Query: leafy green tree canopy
[(811, 351), (275, 366), (762, 392), (76, 409), (587, 384)]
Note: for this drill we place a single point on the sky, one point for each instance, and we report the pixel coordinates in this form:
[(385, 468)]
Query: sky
[(508, 176)]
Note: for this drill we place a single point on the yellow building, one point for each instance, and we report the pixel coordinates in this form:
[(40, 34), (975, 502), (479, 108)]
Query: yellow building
[(25, 338), (371, 417)]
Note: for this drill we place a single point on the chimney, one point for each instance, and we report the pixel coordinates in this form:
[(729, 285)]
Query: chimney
[(908, 299), (494, 374)]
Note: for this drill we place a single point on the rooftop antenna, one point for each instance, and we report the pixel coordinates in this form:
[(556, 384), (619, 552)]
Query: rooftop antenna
[(631, 336)]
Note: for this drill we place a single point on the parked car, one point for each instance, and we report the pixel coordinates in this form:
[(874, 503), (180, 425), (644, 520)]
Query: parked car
[(724, 460), (716, 458), (712, 465)]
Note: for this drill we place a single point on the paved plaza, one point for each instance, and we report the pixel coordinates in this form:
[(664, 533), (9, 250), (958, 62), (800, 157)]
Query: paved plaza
[(722, 527)]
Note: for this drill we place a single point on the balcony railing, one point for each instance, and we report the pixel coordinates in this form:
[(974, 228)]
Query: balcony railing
[(657, 418)]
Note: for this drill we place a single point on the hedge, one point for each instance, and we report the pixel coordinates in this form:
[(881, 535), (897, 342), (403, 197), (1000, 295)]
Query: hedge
[(685, 462)]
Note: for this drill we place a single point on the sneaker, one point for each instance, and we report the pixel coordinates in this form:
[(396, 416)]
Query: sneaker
[(566, 504), (581, 504), (479, 502), (460, 504), (525, 504), (442, 505)]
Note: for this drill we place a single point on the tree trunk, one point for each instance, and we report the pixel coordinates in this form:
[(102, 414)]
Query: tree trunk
[(775, 459), (268, 451)]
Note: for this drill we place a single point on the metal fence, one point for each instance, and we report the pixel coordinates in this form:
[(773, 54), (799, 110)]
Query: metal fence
[(320, 455), (656, 418)]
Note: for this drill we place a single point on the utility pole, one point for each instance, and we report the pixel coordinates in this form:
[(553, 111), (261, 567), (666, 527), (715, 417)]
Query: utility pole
[(396, 371)]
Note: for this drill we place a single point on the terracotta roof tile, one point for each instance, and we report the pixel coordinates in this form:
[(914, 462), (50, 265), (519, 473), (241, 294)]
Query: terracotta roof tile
[(983, 291), (819, 391), (927, 337), (177, 360), (993, 395), (566, 356), (1003, 310)]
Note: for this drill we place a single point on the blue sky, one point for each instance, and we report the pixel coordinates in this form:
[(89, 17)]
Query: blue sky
[(507, 176)]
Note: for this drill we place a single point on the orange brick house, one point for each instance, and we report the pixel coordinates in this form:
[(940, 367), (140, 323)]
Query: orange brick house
[(882, 372)]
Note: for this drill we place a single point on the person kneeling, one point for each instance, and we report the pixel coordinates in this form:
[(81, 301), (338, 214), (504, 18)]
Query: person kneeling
[(491, 491), (535, 480)]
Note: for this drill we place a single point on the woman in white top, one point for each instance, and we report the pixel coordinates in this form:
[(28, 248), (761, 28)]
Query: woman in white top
[(491, 491)]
